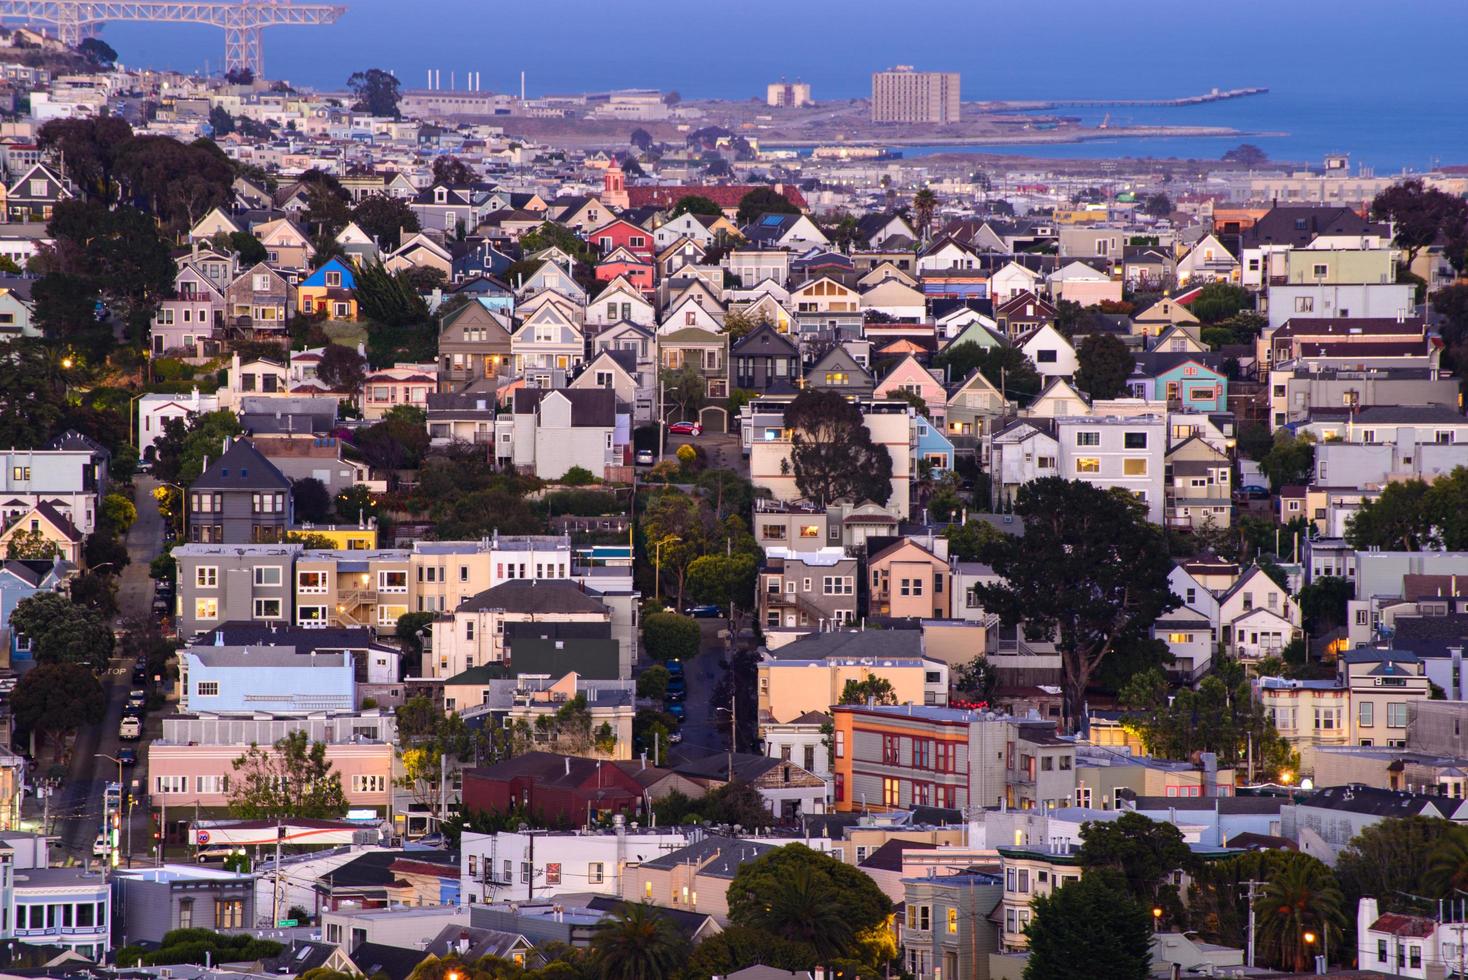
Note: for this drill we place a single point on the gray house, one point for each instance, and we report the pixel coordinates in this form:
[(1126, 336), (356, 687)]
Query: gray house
[(235, 583), (947, 925), (153, 901), (241, 498), (839, 371)]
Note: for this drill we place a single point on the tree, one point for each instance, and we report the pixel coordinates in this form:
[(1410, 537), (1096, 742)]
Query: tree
[(181, 449), (52, 699), (876, 689), (388, 298), (31, 545), (311, 499), (97, 51), (1220, 716), (453, 171), (967, 541), (684, 387), (1105, 365), (832, 454), (61, 631), (174, 183), (695, 204), (1219, 301), (641, 139), (653, 682), (1158, 205), (1301, 899), (398, 441), (220, 121), (978, 677), (1447, 865), (1247, 154), (293, 779), (1095, 922), (1290, 460), (1391, 860), (118, 512), (386, 219), (1447, 508), (763, 200), (90, 147), (240, 76), (342, 368), (376, 93), (1323, 603), (804, 896), (924, 203), (669, 636), (249, 248), (1142, 851), (1090, 572), (723, 580), (738, 947), (1396, 521), (200, 946), (1420, 215), (637, 942), (1005, 367)]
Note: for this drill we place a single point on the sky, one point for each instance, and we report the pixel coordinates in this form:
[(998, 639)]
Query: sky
[(1356, 63)]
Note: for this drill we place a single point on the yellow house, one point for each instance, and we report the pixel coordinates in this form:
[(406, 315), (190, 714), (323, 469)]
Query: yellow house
[(343, 537), (1081, 216), (330, 290), (39, 533)]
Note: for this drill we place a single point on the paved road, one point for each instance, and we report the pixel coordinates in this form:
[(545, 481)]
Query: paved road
[(701, 735), (77, 806)]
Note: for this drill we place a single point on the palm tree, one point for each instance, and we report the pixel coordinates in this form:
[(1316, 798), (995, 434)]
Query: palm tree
[(803, 908), (1447, 866), (637, 942), (924, 203), (1302, 901)]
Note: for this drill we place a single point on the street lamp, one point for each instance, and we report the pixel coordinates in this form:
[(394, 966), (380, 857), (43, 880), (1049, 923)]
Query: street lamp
[(121, 789), (1157, 918), (657, 563)]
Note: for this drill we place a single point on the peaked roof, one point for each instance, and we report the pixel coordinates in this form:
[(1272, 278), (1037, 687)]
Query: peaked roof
[(241, 467), (765, 339), (534, 596)]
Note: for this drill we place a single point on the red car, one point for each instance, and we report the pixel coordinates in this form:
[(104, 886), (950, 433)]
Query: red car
[(686, 429)]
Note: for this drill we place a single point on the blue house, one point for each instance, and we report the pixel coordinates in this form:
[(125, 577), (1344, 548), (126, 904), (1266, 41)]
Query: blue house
[(330, 290), (1187, 381), (19, 580), (245, 679), (931, 446)]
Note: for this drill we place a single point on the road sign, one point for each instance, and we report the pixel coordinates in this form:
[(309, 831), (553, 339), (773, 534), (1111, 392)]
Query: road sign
[(203, 837), (287, 923)]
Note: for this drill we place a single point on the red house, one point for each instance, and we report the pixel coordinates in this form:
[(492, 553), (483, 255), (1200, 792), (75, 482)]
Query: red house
[(621, 262), (556, 789), (619, 233)]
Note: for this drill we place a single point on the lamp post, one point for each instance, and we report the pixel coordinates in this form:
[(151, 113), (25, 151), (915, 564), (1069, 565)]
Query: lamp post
[(1156, 918), (657, 563), (121, 789), (183, 502)]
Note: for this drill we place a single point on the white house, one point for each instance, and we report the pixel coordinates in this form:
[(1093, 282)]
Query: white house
[(156, 409), (1052, 355)]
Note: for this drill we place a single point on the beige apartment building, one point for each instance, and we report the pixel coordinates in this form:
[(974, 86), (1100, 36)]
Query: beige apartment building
[(901, 95), (353, 588)]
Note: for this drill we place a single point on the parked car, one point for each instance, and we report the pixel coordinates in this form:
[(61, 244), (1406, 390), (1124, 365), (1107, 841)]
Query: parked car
[(1253, 491), (674, 668), (131, 728), (100, 847), (678, 712), (128, 757), (686, 429), (136, 697), (707, 611), (646, 457), (675, 737), (677, 689), (140, 673)]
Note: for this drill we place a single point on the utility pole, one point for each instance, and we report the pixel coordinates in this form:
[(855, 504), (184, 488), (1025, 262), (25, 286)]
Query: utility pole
[(443, 789), (1252, 886), (275, 884)]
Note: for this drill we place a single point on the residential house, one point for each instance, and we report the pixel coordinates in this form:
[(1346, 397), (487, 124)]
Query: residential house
[(1257, 616), (259, 302), (808, 590), (910, 578), (229, 583), (765, 362), (71, 480), (42, 528), (621, 302), (419, 251), (240, 498), (708, 353), (402, 384), (1052, 355), (286, 245), (839, 370), (35, 195), (1199, 486), (912, 380), (1077, 282), (547, 340), (329, 291), (1022, 314), (972, 409), (551, 431), (474, 345)]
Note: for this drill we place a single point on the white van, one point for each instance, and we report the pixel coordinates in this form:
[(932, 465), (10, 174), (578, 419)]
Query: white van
[(130, 730)]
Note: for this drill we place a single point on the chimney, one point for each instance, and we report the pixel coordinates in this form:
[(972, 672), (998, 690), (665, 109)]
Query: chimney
[(568, 765)]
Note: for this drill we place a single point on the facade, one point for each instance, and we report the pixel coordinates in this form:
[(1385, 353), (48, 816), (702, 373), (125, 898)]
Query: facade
[(154, 901), (220, 583), (901, 95), (811, 589), (240, 498)]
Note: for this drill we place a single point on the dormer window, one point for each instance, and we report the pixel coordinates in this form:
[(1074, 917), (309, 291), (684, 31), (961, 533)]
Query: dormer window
[(333, 278), (440, 195)]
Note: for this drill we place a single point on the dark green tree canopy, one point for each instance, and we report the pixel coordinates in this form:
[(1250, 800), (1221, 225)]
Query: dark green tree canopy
[(376, 92), (1105, 365), (763, 200), (1006, 368), (1090, 570), (807, 897), (695, 204), (1093, 928), (1143, 851), (832, 454)]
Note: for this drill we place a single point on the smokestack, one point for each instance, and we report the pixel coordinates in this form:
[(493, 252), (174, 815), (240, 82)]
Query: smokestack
[(522, 86), (430, 79)]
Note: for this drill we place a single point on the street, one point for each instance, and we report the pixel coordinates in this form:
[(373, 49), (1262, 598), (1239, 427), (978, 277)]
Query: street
[(76, 808)]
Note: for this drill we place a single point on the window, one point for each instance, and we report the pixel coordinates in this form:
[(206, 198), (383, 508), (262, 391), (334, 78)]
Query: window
[(1304, 304), (267, 609), (311, 615), (1088, 438), (952, 921), (207, 689), (596, 872), (212, 784), (840, 745), (891, 791), (891, 750), (1087, 464), (185, 913), (553, 874), (367, 783), (311, 582), (810, 531), (392, 581), (267, 575), (1365, 718), (1134, 440), (1134, 467), (229, 913), (838, 585), (206, 576), (1049, 356), (944, 758), (919, 917), (1381, 950), (170, 784), (1396, 714), (206, 608)]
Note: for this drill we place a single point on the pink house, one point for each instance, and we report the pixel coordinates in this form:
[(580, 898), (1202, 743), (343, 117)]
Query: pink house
[(186, 775), (911, 377)]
